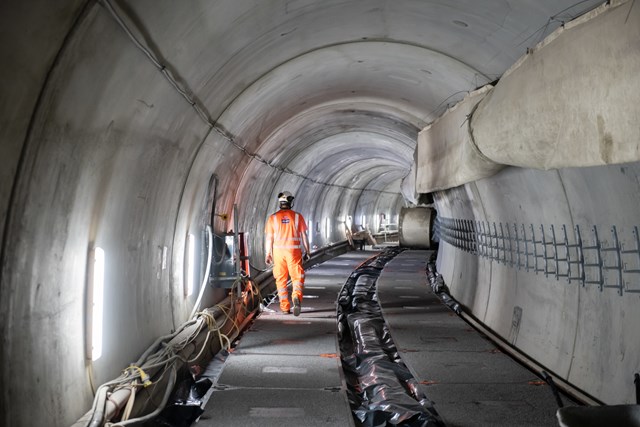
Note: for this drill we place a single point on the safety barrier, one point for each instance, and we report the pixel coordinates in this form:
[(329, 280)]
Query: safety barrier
[(581, 258)]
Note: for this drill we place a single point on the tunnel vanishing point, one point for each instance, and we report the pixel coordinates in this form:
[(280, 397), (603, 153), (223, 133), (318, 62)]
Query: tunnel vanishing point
[(128, 126)]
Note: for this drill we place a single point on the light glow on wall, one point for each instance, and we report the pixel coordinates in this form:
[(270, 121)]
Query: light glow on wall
[(97, 308), (327, 228), (381, 222), (191, 267)]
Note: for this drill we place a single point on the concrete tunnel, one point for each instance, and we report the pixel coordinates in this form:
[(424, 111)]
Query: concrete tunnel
[(126, 125)]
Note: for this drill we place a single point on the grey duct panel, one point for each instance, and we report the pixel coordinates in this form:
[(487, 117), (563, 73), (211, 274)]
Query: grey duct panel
[(446, 153), (569, 102), (414, 227), (572, 101)]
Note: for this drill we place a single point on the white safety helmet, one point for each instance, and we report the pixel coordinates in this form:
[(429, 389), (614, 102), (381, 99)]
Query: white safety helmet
[(285, 198)]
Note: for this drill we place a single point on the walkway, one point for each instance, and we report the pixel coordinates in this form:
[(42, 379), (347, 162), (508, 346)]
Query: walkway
[(286, 370), (470, 381)]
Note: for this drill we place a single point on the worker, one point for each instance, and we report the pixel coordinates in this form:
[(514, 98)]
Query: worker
[(285, 237)]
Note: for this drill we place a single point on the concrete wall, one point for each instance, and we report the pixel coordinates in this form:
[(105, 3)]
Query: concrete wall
[(581, 333), (91, 177), (568, 102)]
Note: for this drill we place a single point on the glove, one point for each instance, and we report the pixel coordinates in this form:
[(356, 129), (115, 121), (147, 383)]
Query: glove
[(268, 259), (306, 257)]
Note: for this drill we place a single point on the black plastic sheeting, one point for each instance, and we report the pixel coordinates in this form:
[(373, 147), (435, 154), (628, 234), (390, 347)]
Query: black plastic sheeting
[(190, 396), (438, 286), (381, 391), (186, 404)]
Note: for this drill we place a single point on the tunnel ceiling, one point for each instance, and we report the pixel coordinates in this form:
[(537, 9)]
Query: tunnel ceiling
[(313, 87), (331, 91)]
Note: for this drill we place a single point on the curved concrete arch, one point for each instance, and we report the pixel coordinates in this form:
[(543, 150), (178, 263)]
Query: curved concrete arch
[(353, 146), (308, 56), (365, 69), (328, 121), (362, 175)]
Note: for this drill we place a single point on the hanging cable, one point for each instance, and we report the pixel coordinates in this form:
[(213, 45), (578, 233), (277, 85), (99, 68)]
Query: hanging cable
[(129, 406), (543, 30), (163, 356), (165, 399), (98, 407), (251, 289), (257, 269)]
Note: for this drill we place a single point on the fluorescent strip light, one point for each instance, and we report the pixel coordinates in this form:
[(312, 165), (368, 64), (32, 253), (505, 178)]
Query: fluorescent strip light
[(327, 228), (97, 303), (191, 254)]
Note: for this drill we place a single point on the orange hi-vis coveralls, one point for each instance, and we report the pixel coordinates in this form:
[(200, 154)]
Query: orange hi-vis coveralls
[(284, 230)]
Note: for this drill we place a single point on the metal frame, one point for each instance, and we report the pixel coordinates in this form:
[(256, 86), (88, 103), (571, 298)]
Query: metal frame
[(572, 258)]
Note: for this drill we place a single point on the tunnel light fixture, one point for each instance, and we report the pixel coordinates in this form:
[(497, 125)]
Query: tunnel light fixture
[(190, 271), (363, 222), (327, 228), (95, 306), (310, 231)]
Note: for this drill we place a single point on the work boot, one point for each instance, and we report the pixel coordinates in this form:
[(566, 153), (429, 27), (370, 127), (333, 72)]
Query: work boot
[(296, 306)]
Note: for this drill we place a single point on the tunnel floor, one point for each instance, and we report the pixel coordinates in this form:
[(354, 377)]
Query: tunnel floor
[(286, 370)]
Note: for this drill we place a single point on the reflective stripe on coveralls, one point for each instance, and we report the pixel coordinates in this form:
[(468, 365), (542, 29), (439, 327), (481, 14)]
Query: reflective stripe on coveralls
[(286, 227)]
